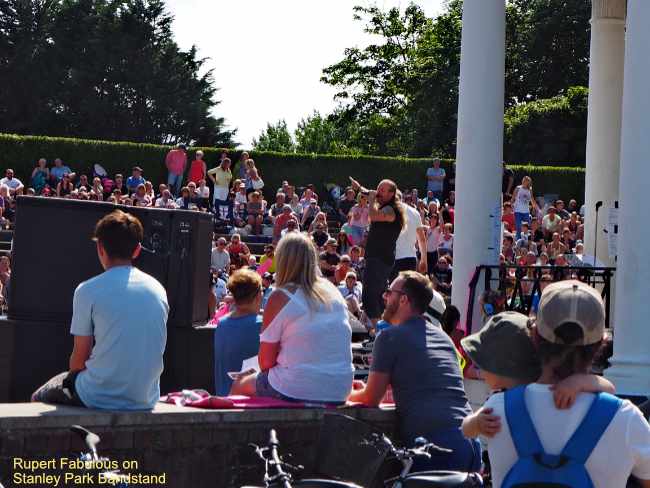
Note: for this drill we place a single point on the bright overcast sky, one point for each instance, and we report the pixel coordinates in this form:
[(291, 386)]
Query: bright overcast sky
[(268, 55)]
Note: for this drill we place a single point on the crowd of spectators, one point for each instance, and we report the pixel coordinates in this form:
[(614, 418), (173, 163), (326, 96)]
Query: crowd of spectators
[(536, 232), (294, 306)]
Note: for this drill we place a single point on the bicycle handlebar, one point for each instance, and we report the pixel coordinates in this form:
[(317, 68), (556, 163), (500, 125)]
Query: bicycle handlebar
[(273, 438), (423, 448), (91, 439), (273, 459)]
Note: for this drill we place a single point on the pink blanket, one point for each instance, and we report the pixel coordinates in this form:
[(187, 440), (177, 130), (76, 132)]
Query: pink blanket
[(203, 399)]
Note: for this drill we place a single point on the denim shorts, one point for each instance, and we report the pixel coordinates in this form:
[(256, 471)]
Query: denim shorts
[(264, 389)]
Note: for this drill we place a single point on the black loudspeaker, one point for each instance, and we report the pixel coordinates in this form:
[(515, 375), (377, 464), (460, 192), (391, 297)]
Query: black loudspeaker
[(53, 252)]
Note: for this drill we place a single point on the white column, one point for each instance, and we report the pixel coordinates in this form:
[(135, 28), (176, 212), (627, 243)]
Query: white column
[(479, 143), (606, 67), (630, 370)]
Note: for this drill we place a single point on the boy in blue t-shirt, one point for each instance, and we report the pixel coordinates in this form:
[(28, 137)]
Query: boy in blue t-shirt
[(237, 336)]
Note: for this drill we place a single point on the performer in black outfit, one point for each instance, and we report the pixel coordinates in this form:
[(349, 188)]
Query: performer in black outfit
[(386, 222)]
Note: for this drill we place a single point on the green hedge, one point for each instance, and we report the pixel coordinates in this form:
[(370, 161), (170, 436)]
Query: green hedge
[(554, 180), (22, 152)]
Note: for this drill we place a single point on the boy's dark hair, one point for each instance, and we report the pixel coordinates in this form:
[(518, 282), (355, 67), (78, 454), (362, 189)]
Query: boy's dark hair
[(567, 360), (418, 289), (119, 233)]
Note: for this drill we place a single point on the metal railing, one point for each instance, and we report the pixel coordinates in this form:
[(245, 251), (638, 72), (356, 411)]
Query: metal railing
[(522, 285)]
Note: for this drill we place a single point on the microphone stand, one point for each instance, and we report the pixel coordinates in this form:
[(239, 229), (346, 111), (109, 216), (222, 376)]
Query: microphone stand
[(598, 205)]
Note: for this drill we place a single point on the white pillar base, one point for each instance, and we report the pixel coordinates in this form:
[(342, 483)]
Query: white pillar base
[(630, 377)]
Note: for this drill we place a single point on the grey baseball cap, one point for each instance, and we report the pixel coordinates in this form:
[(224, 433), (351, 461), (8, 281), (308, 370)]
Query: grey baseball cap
[(574, 302), (504, 347), (436, 308)]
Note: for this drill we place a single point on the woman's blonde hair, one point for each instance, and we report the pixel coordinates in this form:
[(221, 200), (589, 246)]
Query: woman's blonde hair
[(297, 263)]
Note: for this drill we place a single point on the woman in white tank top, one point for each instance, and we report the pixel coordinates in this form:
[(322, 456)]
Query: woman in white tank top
[(306, 341), (522, 197)]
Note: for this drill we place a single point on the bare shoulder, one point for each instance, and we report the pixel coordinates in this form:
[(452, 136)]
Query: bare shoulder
[(276, 303), (277, 299)]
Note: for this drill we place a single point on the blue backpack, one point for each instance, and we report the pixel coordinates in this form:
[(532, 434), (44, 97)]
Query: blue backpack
[(535, 468)]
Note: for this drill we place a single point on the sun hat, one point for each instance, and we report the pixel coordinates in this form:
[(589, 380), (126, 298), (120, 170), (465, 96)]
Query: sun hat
[(504, 347), (571, 301)]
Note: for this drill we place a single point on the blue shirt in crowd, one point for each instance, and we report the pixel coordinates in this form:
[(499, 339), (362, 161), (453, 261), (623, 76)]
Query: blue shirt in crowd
[(126, 312), (235, 339), (132, 182), (435, 185), (57, 172)]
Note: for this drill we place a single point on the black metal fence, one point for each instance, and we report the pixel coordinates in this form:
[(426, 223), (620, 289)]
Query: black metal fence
[(523, 285)]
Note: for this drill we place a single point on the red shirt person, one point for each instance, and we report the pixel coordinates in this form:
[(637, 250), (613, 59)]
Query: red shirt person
[(176, 161)]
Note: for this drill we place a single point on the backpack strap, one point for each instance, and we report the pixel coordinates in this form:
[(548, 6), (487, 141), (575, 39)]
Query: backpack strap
[(522, 430), (584, 439)]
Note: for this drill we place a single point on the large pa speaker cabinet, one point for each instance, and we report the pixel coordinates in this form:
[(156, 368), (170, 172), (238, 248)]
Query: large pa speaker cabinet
[(53, 252)]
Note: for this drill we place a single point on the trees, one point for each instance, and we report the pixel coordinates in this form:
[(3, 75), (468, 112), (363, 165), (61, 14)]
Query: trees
[(376, 84), (547, 48), (399, 95), (317, 134), (275, 137), (106, 69)]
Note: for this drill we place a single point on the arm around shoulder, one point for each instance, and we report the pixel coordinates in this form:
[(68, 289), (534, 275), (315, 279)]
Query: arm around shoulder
[(385, 214)]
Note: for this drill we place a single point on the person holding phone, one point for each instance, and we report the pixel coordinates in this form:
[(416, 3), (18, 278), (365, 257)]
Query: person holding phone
[(386, 215)]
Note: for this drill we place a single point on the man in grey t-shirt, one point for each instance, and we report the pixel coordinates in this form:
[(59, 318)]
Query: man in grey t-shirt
[(419, 361), (119, 324), (436, 179)]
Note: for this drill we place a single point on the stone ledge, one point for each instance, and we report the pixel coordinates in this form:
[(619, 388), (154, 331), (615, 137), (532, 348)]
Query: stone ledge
[(43, 416), (197, 447)]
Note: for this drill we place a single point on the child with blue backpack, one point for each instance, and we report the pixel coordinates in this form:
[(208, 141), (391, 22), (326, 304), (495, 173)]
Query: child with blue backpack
[(555, 433)]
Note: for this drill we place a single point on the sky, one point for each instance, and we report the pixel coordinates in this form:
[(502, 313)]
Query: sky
[(268, 55)]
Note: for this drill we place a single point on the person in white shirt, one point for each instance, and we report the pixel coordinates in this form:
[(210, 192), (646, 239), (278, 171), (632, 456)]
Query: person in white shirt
[(305, 345), (568, 334), (15, 186), (412, 234), (522, 198), (352, 290), (166, 200)]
